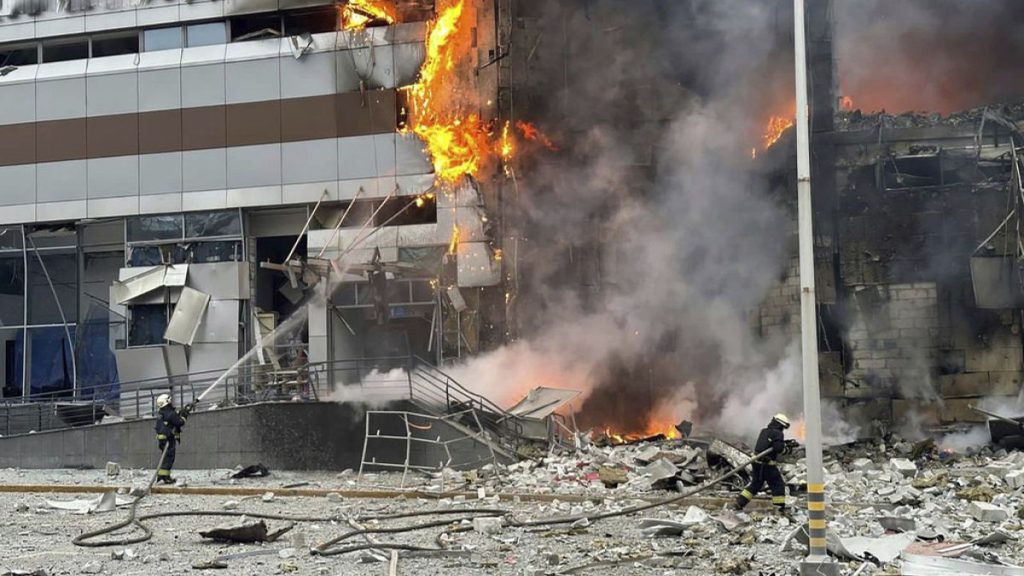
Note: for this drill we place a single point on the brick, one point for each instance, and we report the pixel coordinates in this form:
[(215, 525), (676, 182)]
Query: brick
[(905, 467), (926, 413), (985, 512), (957, 410), (993, 359), (1004, 383), (961, 385)]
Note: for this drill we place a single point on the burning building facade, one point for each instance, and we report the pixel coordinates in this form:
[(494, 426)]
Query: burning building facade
[(154, 155)]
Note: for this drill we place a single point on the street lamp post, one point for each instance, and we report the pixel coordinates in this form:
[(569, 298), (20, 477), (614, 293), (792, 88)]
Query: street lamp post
[(817, 561)]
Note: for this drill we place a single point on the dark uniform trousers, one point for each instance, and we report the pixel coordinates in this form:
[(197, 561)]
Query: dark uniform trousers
[(766, 474)]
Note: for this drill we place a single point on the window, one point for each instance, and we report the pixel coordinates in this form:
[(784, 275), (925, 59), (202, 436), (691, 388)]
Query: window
[(255, 27), (19, 55), (161, 39), (210, 224), (206, 34), (311, 21), (66, 50), (147, 325), (115, 44), (150, 228), (61, 266)]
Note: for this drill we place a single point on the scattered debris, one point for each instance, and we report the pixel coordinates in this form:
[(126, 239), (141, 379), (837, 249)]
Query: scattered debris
[(113, 469), (106, 502), (245, 533), (253, 471)]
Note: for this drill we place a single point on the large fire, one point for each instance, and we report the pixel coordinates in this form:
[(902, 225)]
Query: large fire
[(459, 143), (777, 126), (652, 429)]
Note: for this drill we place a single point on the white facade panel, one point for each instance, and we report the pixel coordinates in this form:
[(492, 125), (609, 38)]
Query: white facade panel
[(202, 85), (160, 203), (252, 166), (308, 192), (147, 16), (61, 25), (200, 10), (17, 184), (256, 196), (60, 99), (363, 187), (110, 20), (114, 177), (410, 156), (253, 80), (311, 75), (160, 173), (112, 94), (58, 181), (386, 160), (17, 214), (204, 170), (309, 161), (206, 200), (19, 103), (408, 60), (10, 31), (108, 207), (159, 89), (71, 210), (357, 158)]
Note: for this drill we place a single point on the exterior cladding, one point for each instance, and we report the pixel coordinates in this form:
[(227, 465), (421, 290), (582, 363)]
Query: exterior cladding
[(243, 124), (915, 348)]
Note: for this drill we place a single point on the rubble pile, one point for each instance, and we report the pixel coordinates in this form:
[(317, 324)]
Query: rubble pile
[(852, 120)]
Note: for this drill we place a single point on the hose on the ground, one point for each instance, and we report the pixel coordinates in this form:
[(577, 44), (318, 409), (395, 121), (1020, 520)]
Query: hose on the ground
[(325, 549)]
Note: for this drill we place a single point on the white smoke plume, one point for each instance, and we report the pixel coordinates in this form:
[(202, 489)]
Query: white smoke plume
[(689, 242), (375, 390)]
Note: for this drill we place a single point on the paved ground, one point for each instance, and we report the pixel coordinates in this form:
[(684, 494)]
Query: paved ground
[(39, 537)]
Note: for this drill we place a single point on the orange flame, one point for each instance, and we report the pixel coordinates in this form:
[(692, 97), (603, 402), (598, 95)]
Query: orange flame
[(357, 14), (777, 126), (459, 144), (800, 431), (453, 244), (653, 428), (532, 134), (846, 103)]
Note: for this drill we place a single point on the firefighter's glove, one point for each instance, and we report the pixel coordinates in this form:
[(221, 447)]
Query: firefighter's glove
[(791, 445)]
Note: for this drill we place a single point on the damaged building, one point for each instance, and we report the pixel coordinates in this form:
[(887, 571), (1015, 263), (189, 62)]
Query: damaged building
[(172, 172)]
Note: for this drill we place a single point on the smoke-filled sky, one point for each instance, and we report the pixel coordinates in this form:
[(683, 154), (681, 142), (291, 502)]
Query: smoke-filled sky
[(929, 55)]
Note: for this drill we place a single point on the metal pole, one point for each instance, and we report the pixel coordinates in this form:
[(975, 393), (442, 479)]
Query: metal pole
[(817, 561)]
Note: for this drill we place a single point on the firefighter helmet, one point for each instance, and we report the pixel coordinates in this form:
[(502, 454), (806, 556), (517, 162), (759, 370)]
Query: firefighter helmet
[(163, 400), (781, 419)]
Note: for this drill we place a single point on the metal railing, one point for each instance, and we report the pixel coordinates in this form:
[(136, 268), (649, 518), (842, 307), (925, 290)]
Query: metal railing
[(365, 380)]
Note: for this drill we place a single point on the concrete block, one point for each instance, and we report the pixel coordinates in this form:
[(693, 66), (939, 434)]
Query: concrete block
[(113, 469), (1015, 479), (1004, 383), (957, 410), (903, 466), (995, 359), (487, 525), (960, 385), (985, 512)]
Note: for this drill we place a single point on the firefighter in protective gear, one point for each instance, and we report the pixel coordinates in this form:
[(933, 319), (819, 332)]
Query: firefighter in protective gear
[(169, 422), (771, 437)]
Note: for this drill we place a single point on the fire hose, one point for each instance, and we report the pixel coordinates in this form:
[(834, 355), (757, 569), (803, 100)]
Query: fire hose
[(327, 548)]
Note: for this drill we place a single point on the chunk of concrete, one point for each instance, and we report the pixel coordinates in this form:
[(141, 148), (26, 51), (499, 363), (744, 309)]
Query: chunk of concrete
[(487, 524), (1015, 479), (862, 464), (905, 467), (985, 512), (113, 469)]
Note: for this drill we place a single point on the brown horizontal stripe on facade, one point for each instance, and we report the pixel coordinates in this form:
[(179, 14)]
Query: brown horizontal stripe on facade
[(267, 122)]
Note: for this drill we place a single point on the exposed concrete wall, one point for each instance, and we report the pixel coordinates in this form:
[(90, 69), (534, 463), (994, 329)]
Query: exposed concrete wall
[(282, 436)]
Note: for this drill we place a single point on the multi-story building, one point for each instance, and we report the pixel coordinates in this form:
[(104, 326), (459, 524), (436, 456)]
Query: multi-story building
[(152, 154)]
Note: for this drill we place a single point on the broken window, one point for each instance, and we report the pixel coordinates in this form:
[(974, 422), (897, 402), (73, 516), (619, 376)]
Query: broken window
[(424, 212), (12, 287), (11, 348), (311, 21), (147, 324), (58, 268), (161, 39), (60, 51), (912, 171), (19, 55), (213, 224), (112, 45), (206, 34), (255, 27), (154, 228), (225, 251), (49, 359)]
